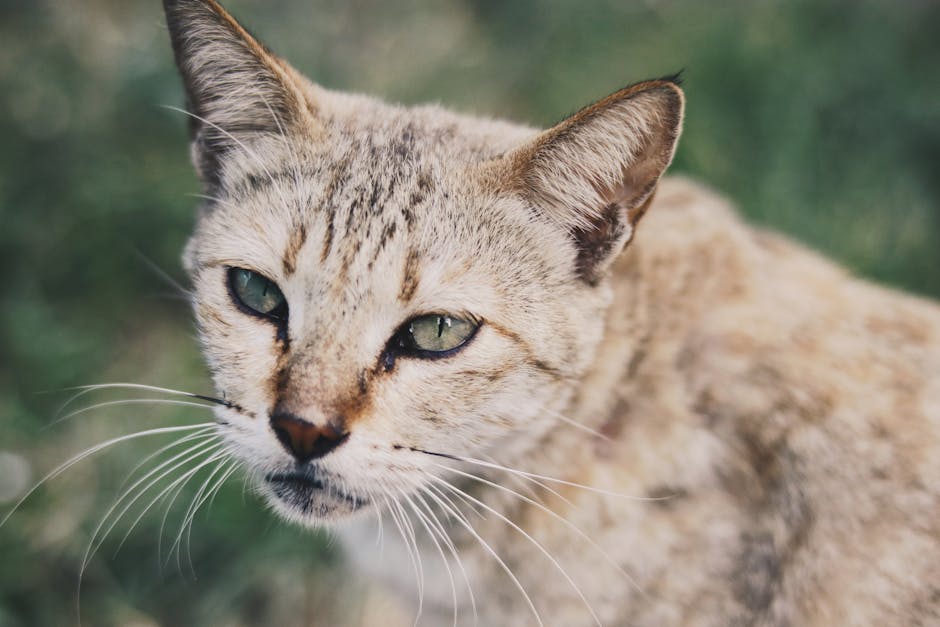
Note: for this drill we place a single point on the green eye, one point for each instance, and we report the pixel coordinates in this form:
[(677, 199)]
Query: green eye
[(257, 293), (437, 333)]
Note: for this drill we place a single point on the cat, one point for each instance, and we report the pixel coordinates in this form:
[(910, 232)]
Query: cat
[(585, 394)]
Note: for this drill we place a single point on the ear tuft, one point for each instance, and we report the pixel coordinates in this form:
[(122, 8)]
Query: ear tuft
[(595, 173), (235, 87)]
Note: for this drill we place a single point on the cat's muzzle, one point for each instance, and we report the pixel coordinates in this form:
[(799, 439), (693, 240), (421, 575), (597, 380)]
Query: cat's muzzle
[(309, 492)]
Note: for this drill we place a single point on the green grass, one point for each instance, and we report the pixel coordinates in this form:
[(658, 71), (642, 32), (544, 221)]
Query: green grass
[(817, 118)]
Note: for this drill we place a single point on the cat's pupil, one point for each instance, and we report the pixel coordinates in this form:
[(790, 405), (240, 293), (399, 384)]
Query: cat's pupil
[(438, 333)]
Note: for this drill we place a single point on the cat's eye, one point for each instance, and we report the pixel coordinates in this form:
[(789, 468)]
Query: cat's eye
[(257, 293), (437, 333)]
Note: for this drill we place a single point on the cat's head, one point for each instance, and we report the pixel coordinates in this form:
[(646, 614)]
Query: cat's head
[(380, 287)]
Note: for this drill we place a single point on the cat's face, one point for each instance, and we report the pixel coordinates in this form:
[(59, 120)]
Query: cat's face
[(364, 229), (380, 290)]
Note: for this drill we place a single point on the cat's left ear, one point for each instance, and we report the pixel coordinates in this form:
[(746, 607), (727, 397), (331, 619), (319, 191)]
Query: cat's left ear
[(596, 172), (236, 88)]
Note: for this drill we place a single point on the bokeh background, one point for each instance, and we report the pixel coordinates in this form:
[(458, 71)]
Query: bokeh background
[(821, 119)]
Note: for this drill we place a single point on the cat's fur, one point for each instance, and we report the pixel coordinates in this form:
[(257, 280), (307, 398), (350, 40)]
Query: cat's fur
[(781, 417)]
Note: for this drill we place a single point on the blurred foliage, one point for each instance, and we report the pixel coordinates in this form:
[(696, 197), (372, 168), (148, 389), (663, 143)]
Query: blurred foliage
[(818, 118)]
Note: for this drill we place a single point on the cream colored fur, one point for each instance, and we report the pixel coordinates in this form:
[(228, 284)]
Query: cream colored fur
[(722, 427)]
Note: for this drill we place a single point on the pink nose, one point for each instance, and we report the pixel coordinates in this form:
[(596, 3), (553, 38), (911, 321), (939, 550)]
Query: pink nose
[(305, 440)]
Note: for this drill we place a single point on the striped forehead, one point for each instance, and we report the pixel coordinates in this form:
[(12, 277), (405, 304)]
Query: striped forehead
[(340, 214), (373, 194)]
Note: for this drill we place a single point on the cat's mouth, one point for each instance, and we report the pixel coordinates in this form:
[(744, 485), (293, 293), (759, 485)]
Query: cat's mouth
[(311, 494)]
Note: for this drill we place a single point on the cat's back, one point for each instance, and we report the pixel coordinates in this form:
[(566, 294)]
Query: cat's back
[(743, 291), (751, 310), (821, 392)]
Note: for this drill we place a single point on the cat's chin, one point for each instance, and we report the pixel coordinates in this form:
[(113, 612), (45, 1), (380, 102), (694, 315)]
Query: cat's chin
[(305, 497)]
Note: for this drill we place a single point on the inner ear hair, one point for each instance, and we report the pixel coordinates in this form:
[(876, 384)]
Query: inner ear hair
[(235, 87), (595, 172)]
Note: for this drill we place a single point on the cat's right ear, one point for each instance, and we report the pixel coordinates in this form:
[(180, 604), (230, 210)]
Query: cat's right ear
[(235, 87), (595, 173)]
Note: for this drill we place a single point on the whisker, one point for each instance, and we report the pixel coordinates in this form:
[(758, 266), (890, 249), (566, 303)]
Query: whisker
[(557, 517), (169, 499), (128, 401), (215, 199), (95, 449), (163, 274), (93, 548), (442, 533), (427, 527), (532, 475), (379, 534), (395, 514), (524, 482), (454, 508), (188, 455), (295, 162), (237, 141), (216, 455), (224, 132), (178, 484), (193, 507), (470, 504), (406, 522), (183, 481), (203, 495), (577, 425), (534, 543), (515, 580), (88, 389), (199, 435), (234, 465)]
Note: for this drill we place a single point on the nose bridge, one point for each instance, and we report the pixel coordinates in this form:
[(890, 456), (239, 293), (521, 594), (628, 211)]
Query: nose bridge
[(320, 391), (313, 379), (301, 415)]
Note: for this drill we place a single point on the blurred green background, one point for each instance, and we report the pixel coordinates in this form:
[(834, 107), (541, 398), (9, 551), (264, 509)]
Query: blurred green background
[(819, 118)]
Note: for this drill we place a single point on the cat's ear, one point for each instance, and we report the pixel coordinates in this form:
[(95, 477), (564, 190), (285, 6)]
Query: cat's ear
[(596, 171), (235, 87)]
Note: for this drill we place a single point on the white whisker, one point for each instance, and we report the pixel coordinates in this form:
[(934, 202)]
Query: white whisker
[(380, 532), (258, 160), (234, 465), (577, 425), (204, 434), (431, 534), (93, 548), (557, 517), (466, 525), (188, 455), (395, 513), (292, 154), (532, 475), (442, 533), (160, 272), (237, 142), (95, 449), (406, 524), (88, 389), (180, 485), (130, 401), (533, 541), (170, 499), (215, 199), (526, 481), (205, 492)]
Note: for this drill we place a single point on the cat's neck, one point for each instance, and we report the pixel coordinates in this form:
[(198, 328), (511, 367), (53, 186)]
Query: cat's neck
[(694, 256)]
